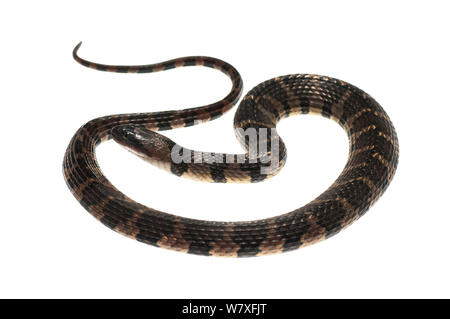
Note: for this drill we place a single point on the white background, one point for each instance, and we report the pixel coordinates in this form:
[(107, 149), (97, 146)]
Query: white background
[(397, 51)]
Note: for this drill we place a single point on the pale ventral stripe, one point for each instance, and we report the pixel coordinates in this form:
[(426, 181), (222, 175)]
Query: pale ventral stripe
[(351, 215), (225, 247), (272, 244), (175, 240), (237, 176), (315, 232)]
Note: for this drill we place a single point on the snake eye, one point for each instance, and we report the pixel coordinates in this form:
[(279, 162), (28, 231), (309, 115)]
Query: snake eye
[(124, 134)]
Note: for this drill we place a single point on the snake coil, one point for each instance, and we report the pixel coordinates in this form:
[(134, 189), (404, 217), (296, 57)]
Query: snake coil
[(370, 167)]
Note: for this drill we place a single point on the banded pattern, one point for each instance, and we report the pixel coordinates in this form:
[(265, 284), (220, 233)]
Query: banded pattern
[(370, 168)]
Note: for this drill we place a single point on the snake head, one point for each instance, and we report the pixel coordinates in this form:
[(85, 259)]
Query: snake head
[(149, 145)]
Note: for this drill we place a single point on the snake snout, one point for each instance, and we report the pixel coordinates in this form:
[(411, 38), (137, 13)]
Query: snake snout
[(145, 143)]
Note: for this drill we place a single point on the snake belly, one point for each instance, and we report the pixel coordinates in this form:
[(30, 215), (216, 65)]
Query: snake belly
[(371, 164)]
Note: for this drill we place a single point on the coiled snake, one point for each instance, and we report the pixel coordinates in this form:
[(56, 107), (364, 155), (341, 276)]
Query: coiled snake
[(371, 163)]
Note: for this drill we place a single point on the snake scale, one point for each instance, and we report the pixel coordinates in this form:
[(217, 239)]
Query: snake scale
[(371, 164)]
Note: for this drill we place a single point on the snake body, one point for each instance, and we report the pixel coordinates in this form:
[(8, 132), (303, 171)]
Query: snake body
[(371, 164)]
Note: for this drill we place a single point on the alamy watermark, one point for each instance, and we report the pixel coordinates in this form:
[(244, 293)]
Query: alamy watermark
[(263, 145)]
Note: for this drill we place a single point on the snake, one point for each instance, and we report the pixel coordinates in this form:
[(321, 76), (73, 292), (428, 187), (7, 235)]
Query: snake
[(371, 165)]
